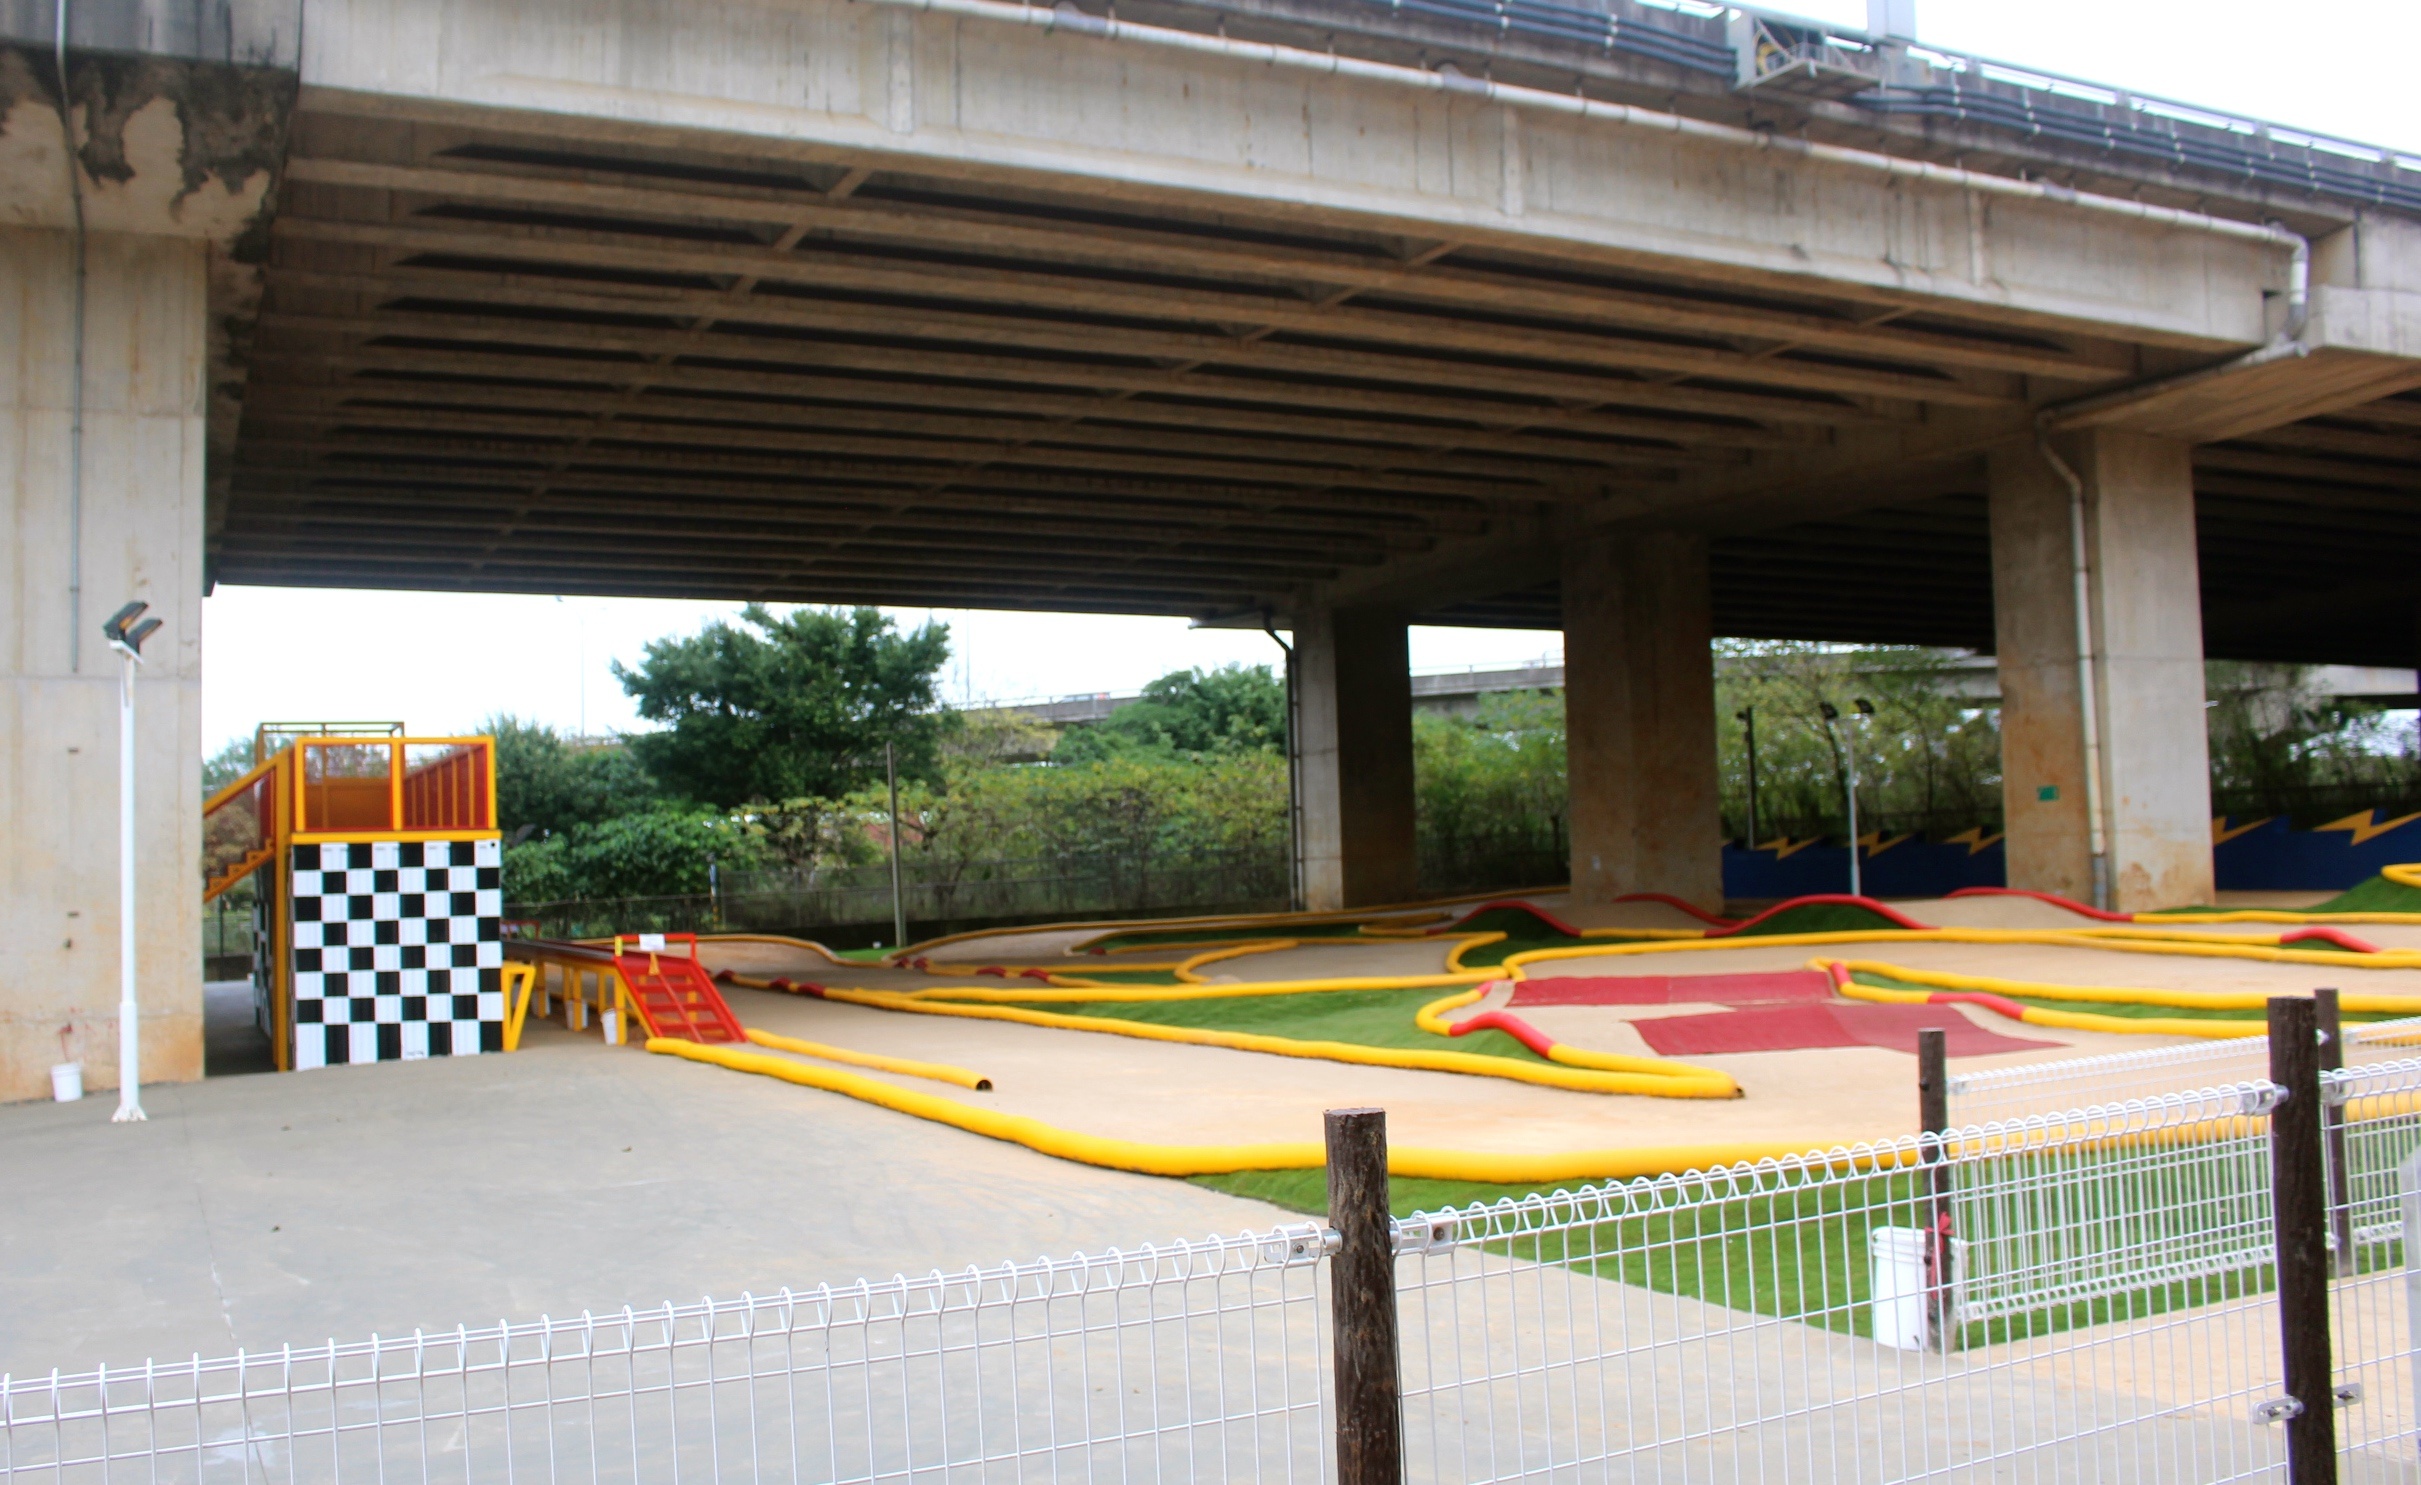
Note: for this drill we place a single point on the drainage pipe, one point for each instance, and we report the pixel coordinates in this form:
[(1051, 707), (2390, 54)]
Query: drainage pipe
[(2088, 701), (75, 394), (1329, 64)]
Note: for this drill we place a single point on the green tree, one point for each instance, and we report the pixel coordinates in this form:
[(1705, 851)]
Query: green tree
[(228, 764), (662, 851), (787, 706), (547, 784), (1930, 758), (1236, 708), (1490, 802)]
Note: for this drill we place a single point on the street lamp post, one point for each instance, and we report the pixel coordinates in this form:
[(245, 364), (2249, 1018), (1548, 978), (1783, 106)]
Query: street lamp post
[(1849, 787), (126, 630), (899, 906), (1748, 719)]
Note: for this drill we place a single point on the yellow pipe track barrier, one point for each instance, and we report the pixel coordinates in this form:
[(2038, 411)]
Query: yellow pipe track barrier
[(1432, 1019), (1214, 1160), (2358, 1002), (1573, 1079), (909, 1067)]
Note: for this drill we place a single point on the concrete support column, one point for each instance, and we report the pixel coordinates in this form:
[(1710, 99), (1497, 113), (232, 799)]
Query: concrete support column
[(1356, 706), (145, 333), (1639, 719), (2147, 661)]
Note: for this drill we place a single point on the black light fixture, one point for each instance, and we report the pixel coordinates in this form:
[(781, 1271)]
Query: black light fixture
[(124, 634)]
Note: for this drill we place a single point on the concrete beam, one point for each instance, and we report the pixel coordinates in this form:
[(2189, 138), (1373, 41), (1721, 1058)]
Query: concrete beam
[(2147, 666), (141, 537), (1356, 707), (826, 81), (1639, 709)]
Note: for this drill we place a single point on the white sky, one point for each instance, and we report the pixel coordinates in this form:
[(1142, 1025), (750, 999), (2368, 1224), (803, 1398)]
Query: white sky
[(441, 662)]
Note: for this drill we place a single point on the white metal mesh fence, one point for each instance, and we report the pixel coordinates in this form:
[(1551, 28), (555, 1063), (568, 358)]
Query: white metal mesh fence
[(2077, 1082), (2110, 1315), (1189, 1361), (2375, 1293), (2080, 1296)]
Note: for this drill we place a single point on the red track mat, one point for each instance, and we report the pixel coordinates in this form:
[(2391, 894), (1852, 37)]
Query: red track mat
[(1791, 1028), (1778, 987)]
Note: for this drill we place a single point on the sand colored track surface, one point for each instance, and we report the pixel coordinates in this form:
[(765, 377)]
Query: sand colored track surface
[(1128, 978), (2061, 965), (1125, 1089)]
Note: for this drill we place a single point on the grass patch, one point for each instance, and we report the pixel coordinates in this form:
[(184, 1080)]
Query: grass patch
[(1212, 935), (1362, 1018), (1821, 917), (2378, 895), (860, 956), (1126, 976), (1803, 1253)]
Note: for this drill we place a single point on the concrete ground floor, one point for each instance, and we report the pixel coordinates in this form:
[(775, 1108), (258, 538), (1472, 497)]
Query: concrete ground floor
[(258, 1211)]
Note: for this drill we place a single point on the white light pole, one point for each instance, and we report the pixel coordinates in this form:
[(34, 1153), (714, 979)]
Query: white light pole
[(1849, 759), (126, 636)]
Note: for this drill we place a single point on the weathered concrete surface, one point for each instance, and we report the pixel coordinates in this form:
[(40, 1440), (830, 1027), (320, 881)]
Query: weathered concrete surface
[(825, 78), (142, 539), (1356, 708), (1639, 707), (255, 1211), (2148, 670)]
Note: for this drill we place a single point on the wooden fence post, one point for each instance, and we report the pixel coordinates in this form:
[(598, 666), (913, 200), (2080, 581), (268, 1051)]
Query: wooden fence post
[(1933, 1119), (1370, 1420), (2299, 1201)]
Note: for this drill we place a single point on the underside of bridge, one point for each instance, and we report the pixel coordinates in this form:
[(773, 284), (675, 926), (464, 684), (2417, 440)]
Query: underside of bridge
[(501, 360), (1647, 323)]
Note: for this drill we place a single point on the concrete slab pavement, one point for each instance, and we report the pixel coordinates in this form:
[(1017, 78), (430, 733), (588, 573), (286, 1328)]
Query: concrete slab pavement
[(256, 1211)]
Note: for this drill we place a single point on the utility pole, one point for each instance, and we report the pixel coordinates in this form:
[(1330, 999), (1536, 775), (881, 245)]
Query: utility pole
[(126, 636)]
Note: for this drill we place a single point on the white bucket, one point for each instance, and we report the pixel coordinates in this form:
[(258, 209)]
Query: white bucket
[(613, 1028), (67, 1081), (1903, 1318)]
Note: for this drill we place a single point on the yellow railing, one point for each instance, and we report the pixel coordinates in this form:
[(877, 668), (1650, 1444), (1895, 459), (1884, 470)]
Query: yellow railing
[(584, 980)]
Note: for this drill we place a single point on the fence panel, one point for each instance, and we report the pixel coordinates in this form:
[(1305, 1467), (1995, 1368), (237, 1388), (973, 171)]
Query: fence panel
[(1190, 1361), (2080, 1296), (2108, 1302), (2076, 1082), (2376, 1292)]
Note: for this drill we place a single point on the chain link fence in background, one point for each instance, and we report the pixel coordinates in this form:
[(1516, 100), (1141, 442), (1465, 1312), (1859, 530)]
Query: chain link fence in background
[(851, 906)]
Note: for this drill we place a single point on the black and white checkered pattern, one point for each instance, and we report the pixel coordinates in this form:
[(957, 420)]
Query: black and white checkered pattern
[(398, 951)]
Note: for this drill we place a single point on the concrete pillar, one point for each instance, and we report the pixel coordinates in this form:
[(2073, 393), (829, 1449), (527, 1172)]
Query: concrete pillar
[(146, 327), (1639, 719), (1356, 702), (2148, 677)]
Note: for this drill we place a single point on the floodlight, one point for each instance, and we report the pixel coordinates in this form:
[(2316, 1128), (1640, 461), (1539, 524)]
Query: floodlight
[(1865, 708), (113, 628), (1832, 713)]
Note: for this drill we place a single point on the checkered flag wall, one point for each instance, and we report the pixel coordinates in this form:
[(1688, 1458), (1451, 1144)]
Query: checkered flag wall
[(398, 951)]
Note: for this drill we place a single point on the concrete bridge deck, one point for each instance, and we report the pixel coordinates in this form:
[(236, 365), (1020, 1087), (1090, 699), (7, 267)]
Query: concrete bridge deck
[(1326, 313)]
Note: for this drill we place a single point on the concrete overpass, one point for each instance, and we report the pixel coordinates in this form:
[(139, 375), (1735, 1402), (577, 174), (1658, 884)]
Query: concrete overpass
[(1650, 323)]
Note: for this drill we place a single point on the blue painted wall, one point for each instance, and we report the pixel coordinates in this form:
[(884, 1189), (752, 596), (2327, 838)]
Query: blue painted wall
[(2269, 857)]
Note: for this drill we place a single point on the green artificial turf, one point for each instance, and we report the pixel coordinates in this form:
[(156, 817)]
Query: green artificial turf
[(1820, 917), (2378, 895), (1801, 1253), (860, 956), (1211, 935), (1362, 1018)]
